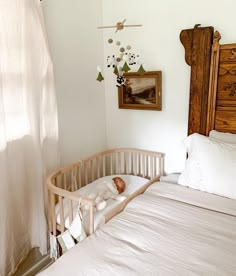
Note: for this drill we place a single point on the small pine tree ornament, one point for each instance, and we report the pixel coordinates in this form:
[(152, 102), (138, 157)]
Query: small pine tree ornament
[(141, 70), (125, 67), (116, 71), (100, 76)]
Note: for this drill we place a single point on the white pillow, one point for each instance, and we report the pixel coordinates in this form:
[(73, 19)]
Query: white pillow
[(191, 175), (223, 136), (211, 166)]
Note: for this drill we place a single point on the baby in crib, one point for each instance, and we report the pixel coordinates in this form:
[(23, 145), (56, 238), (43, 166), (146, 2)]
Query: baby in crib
[(107, 190)]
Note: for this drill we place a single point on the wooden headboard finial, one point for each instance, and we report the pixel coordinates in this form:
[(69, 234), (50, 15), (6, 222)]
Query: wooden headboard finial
[(198, 43), (216, 40), (197, 25), (217, 36)]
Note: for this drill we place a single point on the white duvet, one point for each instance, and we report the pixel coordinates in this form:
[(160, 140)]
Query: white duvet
[(169, 230)]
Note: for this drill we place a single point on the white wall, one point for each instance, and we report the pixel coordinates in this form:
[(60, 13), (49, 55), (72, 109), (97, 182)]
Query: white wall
[(87, 113), (76, 48), (159, 45)]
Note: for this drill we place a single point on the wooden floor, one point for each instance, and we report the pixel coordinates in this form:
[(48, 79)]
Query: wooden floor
[(34, 263)]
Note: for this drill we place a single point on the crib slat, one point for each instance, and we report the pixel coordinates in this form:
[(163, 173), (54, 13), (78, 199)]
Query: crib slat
[(79, 180), (91, 220), (119, 163), (98, 172), (126, 163), (62, 220), (53, 215), (143, 165), (104, 165), (161, 165), (92, 169), (64, 181), (72, 181), (138, 164), (151, 167), (49, 212), (75, 186), (85, 173), (70, 211), (111, 163), (135, 163)]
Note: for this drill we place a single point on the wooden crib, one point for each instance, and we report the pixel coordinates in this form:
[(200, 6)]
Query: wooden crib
[(63, 183)]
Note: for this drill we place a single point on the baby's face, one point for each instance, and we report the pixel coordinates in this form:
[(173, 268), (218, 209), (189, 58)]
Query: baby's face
[(120, 184)]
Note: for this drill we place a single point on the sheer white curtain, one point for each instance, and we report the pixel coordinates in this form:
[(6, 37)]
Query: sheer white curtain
[(28, 130)]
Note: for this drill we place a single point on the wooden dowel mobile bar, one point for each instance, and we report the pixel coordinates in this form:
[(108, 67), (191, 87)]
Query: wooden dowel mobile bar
[(119, 26)]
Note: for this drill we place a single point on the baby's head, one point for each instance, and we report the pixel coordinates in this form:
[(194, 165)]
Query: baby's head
[(120, 184)]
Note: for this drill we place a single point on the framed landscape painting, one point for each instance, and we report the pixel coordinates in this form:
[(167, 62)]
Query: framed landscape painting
[(141, 91)]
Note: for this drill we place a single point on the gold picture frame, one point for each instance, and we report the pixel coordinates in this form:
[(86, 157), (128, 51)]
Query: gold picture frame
[(141, 91)]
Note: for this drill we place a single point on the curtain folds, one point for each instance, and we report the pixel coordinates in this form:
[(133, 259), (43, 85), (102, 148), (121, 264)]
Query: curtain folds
[(28, 130)]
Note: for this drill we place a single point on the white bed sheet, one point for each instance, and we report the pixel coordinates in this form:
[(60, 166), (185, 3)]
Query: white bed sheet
[(162, 232)]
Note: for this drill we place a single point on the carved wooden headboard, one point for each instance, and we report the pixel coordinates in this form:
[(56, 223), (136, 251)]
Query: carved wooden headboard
[(212, 103)]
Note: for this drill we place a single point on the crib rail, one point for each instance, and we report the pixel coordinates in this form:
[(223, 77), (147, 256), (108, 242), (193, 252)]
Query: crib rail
[(64, 181)]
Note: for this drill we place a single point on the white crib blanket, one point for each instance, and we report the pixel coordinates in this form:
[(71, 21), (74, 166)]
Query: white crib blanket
[(133, 183)]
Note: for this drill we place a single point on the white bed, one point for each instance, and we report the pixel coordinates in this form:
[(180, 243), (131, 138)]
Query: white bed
[(183, 225), (169, 230)]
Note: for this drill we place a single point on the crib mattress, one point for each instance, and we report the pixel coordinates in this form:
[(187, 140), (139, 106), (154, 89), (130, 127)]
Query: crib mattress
[(133, 183)]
